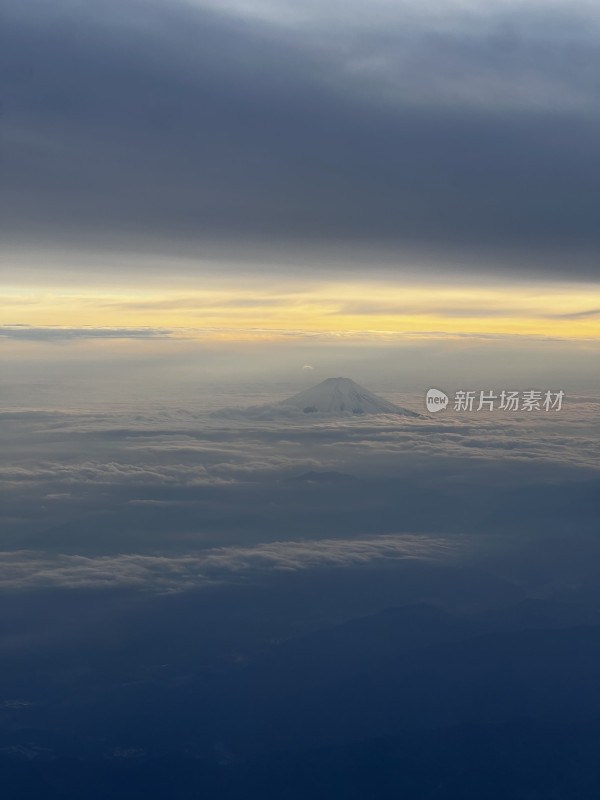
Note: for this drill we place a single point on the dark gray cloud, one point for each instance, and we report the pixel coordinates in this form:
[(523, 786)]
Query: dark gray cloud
[(594, 312), (170, 124), (57, 334)]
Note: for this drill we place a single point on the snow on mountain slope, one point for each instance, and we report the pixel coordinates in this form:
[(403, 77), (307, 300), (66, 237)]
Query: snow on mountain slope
[(336, 395)]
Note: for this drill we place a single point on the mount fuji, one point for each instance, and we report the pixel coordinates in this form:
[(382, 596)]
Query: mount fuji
[(333, 396), (339, 395)]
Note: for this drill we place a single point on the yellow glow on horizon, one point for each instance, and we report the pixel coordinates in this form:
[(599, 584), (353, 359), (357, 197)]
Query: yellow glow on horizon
[(564, 311)]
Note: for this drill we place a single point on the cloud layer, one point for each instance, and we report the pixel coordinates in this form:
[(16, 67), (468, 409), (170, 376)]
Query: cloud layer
[(455, 128), (36, 570)]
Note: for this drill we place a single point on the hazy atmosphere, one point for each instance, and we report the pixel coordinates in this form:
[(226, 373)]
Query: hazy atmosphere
[(242, 554)]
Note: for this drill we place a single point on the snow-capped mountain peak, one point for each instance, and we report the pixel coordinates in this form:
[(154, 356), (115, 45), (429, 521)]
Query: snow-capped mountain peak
[(336, 395)]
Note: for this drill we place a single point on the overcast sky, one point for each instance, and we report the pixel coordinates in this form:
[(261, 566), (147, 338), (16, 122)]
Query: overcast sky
[(454, 132)]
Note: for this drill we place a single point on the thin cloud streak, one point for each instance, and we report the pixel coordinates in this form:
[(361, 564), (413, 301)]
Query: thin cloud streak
[(37, 570)]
